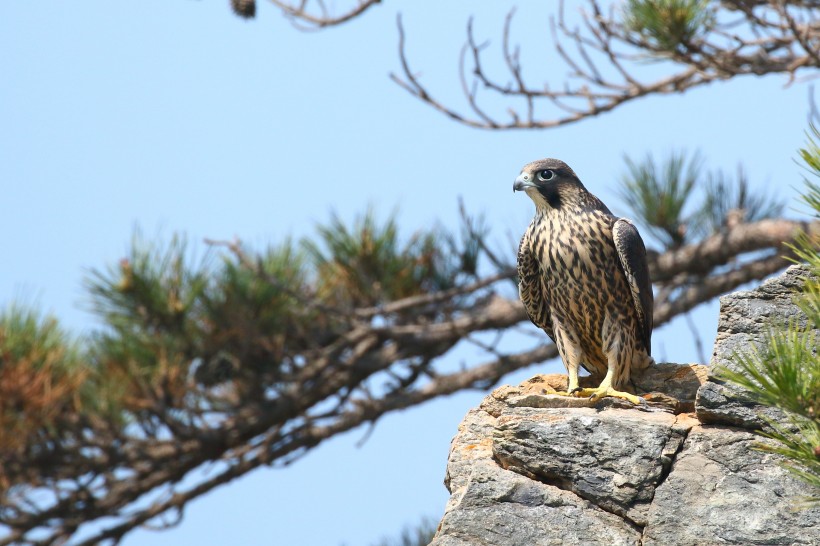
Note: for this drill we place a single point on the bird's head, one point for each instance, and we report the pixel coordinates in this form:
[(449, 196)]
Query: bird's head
[(550, 183)]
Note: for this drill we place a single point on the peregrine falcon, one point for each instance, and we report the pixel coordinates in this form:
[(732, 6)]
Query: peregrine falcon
[(584, 280)]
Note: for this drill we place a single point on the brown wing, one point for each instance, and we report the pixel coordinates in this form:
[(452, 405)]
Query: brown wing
[(632, 254), (531, 286)]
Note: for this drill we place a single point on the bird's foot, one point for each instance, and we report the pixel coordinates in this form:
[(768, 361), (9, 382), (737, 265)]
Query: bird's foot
[(570, 394), (597, 394)]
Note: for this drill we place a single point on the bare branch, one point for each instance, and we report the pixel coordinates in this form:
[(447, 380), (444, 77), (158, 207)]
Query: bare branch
[(770, 39), (314, 15)]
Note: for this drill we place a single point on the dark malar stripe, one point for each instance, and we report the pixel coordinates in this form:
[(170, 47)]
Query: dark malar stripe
[(551, 194)]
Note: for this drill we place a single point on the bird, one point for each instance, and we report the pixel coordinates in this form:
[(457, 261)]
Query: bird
[(583, 278)]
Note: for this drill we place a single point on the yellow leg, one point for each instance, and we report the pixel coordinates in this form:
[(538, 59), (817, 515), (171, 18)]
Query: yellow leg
[(605, 389)]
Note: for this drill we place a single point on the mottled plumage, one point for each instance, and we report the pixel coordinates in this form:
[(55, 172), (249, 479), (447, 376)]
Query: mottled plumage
[(584, 280)]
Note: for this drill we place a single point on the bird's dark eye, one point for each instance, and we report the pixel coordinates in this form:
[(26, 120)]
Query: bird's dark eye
[(543, 176)]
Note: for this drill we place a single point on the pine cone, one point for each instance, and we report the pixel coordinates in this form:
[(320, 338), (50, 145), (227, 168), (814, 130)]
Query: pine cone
[(244, 8)]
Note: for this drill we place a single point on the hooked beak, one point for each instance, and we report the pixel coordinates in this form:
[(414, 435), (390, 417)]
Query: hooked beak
[(523, 182)]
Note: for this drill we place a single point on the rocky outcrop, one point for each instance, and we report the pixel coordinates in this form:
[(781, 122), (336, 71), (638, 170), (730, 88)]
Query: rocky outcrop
[(531, 468), (745, 318)]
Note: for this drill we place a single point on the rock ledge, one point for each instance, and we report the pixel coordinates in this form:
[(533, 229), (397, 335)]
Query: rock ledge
[(531, 468)]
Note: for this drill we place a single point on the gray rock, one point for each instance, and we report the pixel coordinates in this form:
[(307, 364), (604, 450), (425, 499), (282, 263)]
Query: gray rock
[(613, 458), (724, 491), (529, 467), (491, 505), (745, 316), (720, 403), (544, 476), (745, 319), (503, 508)]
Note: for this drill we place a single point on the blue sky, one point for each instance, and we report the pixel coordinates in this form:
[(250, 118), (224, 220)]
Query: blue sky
[(176, 116)]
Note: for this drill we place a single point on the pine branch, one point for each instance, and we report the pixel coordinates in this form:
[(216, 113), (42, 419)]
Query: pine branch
[(292, 384), (721, 248)]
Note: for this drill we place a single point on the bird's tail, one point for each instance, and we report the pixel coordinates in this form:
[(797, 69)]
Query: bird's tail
[(639, 364), (642, 362)]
